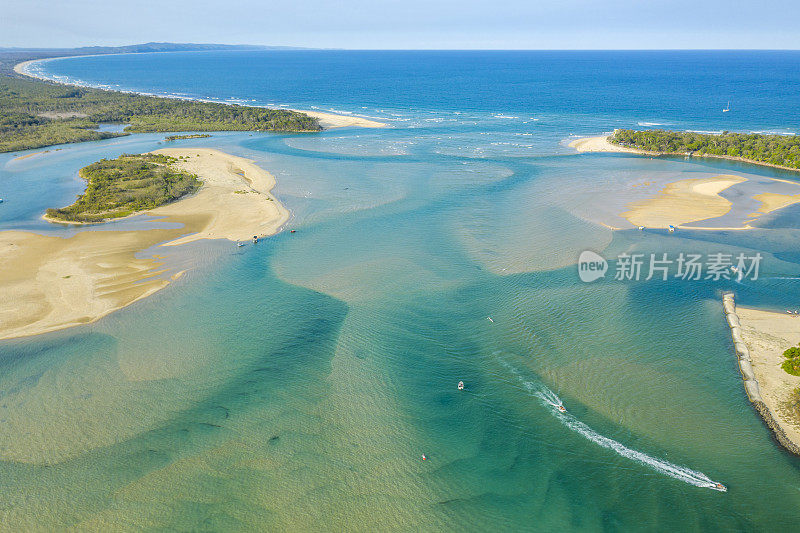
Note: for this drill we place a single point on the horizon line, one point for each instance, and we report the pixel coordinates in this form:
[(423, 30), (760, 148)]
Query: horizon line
[(282, 47)]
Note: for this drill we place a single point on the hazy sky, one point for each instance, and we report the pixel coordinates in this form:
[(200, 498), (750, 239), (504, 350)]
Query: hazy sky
[(552, 24)]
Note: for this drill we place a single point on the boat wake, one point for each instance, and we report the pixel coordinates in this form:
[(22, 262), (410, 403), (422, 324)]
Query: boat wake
[(549, 397), (551, 400)]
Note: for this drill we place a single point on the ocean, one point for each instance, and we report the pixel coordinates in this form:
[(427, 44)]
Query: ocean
[(296, 383)]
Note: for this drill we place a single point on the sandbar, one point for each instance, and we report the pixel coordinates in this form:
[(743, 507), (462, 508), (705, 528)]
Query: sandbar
[(767, 335), (682, 202), (49, 283), (771, 201)]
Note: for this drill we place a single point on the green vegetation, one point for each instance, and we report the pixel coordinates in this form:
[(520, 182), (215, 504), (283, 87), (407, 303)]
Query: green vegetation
[(122, 186), (34, 114), (780, 150), (792, 363), (194, 136)]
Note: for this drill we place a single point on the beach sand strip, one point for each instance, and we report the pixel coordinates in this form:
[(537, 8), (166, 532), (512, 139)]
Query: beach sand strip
[(49, 283)]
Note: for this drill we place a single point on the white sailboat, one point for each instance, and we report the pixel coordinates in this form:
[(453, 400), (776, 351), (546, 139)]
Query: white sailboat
[(727, 108)]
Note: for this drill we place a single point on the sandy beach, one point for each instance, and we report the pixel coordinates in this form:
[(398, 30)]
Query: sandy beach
[(331, 120), (682, 202), (49, 283), (601, 144), (21, 69), (235, 197), (767, 335)]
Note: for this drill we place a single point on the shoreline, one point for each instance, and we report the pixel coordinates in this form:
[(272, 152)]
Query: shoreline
[(759, 339), (332, 120), (19, 68), (326, 120), (601, 143), (51, 283)]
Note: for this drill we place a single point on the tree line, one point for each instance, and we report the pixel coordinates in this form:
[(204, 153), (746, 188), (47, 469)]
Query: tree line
[(781, 150), (34, 114)]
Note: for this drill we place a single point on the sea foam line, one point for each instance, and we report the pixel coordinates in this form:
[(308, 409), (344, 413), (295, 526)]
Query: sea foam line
[(551, 399)]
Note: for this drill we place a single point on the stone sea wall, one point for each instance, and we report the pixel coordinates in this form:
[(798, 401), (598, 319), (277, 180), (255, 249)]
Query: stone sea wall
[(750, 383)]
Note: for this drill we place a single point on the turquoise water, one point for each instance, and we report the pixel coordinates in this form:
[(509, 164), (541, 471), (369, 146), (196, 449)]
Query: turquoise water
[(295, 384)]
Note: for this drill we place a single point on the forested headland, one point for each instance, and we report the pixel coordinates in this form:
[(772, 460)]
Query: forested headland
[(777, 150)]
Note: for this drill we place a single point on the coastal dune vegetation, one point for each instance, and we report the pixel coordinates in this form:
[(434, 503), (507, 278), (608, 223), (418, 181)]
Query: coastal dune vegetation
[(778, 150), (190, 136), (122, 186), (34, 114), (792, 363)]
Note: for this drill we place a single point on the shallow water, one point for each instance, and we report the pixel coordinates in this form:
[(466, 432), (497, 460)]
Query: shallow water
[(295, 384)]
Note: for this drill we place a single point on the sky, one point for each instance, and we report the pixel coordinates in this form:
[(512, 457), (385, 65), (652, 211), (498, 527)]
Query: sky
[(407, 24)]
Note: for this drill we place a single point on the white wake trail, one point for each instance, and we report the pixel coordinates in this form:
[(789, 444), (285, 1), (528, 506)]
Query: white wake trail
[(551, 399)]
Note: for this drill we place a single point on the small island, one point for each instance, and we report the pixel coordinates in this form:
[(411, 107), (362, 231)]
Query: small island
[(52, 282), (189, 136), (123, 186)]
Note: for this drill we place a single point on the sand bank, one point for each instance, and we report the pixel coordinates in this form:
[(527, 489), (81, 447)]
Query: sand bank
[(27, 156), (772, 202), (331, 120), (601, 144), (49, 283), (767, 335), (682, 202), (235, 197)]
